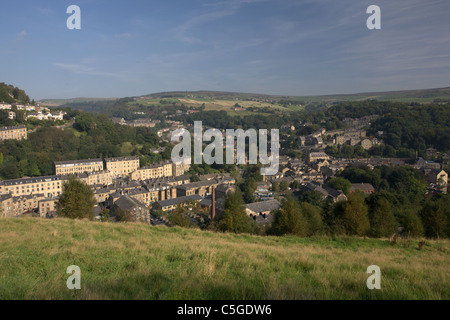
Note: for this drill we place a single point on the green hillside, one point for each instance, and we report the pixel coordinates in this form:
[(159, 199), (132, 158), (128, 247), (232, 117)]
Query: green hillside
[(421, 95), (135, 261), (11, 94)]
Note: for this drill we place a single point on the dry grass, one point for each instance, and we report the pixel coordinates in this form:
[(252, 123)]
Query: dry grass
[(134, 261)]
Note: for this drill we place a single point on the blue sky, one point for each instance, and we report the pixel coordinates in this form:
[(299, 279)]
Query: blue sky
[(286, 47)]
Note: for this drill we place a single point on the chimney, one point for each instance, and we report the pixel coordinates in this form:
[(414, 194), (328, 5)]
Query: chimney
[(213, 207)]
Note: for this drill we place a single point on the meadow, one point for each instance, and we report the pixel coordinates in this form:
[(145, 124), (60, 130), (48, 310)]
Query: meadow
[(137, 261)]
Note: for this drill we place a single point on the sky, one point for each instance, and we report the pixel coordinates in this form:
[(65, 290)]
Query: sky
[(279, 47)]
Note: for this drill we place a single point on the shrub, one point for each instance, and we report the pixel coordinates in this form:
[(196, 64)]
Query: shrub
[(290, 219), (314, 218), (352, 215), (382, 220), (434, 220), (413, 225)]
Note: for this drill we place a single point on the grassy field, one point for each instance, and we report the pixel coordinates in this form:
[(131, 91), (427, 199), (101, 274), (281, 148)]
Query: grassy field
[(135, 261), (218, 105)]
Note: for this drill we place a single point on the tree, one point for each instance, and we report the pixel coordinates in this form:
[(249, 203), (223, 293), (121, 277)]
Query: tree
[(340, 183), (312, 197), (290, 219), (382, 220), (234, 218), (434, 220), (179, 218), (9, 170), (276, 187), (77, 200), (284, 186), (248, 189), (443, 203), (352, 214), (295, 185), (104, 215), (413, 225), (314, 218)]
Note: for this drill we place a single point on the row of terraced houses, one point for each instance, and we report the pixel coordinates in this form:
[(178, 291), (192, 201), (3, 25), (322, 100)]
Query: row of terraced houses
[(108, 177)]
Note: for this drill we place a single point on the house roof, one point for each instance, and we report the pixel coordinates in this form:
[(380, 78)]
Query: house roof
[(121, 159), (263, 206), (362, 186), (12, 128), (79, 162), (175, 201), (198, 184), (127, 203), (31, 180)]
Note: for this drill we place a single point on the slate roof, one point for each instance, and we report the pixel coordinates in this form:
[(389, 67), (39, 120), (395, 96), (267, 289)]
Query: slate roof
[(175, 201), (362, 186), (84, 162), (126, 203), (263, 206)]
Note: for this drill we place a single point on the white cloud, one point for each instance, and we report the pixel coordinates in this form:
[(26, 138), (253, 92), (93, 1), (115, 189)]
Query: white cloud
[(21, 35), (85, 70)]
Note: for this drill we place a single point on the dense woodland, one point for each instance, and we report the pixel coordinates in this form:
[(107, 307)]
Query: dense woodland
[(91, 137), (11, 94)]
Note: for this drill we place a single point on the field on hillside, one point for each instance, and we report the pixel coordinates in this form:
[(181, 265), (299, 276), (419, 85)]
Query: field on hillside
[(136, 261), (218, 105)]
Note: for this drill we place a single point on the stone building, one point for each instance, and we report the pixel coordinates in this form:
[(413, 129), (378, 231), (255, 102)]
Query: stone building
[(130, 210), (158, 170), (50, 186), (78, 166), (13, 133), (123, 166)]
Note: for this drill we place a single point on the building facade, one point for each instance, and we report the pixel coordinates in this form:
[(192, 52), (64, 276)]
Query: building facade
[(123, 166), (77, 166), (50, 186), (13, 133), (158, 170)]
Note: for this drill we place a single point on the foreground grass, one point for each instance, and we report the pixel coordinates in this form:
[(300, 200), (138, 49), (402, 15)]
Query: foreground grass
[(134, 261)]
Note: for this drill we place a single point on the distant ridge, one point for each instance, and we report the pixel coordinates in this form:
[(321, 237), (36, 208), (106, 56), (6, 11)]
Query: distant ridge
[(419, 95)]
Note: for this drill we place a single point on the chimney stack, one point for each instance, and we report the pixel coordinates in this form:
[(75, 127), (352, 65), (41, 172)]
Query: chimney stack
[(213, 207)]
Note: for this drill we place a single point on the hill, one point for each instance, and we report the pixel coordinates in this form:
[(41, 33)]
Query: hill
[(249, 103), (420, 95), (11, 94), (135, 261), (60, 102)]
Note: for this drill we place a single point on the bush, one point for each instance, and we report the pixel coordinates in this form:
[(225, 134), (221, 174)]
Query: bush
[(340, 183), (180, 219), (382, 220), (413, 225), (434, 220), (314, 218), (290, 220), (352, 215)]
